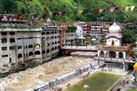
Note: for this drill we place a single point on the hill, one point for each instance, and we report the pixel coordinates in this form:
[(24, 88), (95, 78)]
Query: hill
[(73, 10)]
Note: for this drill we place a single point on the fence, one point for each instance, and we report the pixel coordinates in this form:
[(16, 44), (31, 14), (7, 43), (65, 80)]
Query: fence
[(64, 78)]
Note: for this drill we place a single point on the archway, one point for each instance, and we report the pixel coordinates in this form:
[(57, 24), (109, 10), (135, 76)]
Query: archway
[(101, 53), (120, 55), (112, 54), (20, 55)]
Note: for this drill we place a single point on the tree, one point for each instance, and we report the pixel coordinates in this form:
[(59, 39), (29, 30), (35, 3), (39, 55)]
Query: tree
[(129, 36), (9, 6)]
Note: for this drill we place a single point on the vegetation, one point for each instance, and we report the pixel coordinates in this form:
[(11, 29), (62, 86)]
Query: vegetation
[(99, 81), (72, 28), (133, 89), (72, 10), (129, 36)]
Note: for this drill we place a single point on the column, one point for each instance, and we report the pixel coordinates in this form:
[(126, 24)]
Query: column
[(105, 54), (124, 55), (98, 53), (117, 56)]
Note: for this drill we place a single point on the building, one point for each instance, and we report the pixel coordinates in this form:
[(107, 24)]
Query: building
[(22, 46), (67, 37), (114, 52)]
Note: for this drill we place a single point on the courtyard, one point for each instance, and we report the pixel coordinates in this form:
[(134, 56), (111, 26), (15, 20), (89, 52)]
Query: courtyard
[(98, 81)]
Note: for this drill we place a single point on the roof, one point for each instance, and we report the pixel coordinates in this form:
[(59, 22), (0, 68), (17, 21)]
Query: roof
[(114, 28)]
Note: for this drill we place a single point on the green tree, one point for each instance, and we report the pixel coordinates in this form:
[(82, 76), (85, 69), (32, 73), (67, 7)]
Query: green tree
[(129, 36)]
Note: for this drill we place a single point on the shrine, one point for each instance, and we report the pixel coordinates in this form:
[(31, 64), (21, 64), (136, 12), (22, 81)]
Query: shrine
[(114, 51)]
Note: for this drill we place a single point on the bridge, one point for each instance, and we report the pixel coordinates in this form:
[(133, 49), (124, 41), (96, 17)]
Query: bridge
[(69, 49)]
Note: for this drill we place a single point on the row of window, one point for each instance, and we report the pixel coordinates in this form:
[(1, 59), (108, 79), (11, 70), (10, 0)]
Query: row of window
[(5, 48), (52, 32), (4, 40), (36, 52), (5, 33), (52, 37), (49, 44), (28, 38)]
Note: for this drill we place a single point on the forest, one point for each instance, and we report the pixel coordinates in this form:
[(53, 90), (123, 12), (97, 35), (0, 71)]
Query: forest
[(72, 10)]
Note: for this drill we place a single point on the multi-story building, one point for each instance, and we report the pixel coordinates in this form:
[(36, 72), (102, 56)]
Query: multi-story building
[(22, 47), (67, 37), (18, 47), (50, 42)]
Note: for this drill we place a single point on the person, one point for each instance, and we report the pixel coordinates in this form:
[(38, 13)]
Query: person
[(68, 85)]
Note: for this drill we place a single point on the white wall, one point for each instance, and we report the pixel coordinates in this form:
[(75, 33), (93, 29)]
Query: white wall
[(117, 42)]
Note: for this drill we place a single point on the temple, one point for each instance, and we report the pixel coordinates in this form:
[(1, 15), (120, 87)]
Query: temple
[(114, 51)]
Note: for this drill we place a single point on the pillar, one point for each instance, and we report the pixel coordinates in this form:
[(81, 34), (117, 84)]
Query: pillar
[(124, 66), (105, 54), (98, 53), (124, 55), (117, 56)]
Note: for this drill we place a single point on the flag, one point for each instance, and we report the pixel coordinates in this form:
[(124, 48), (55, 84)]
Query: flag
[(101, 10), (132, 8), (126, 9), (112, 9)]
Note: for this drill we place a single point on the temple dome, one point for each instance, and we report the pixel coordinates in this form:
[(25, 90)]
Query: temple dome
[(79, 32), (114, 28)]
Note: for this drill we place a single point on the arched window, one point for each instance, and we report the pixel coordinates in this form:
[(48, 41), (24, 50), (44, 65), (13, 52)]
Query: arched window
[(37, 53), (30, 46), (30, 53), (43, 33), (48, 51), (19, 55), (112, 54), (43, 52), (120, 55)]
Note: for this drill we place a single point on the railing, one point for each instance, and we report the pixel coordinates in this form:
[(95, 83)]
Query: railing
[(80, 47), (63, 78)]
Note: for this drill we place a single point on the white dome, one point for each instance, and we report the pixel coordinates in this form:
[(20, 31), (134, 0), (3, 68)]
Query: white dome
[(79, 31), (114, 28)]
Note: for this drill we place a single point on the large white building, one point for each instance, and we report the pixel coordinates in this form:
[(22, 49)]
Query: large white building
[(114, 51), (26, 47)]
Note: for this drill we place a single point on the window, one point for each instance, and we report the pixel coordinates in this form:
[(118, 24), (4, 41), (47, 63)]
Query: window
[(19, 55), (4, 33), (52, 49), (37, 53), (10, 60), (12, 40), (43, 33), (47, 32), (12, 47), (31, 53), (12, 33), (4, 48), (19, 47), (4, 55), (43, 52), (30, 46), (48, 51), (4, 40)]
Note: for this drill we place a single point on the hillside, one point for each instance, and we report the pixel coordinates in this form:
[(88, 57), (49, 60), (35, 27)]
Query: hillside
[(73, 10)]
